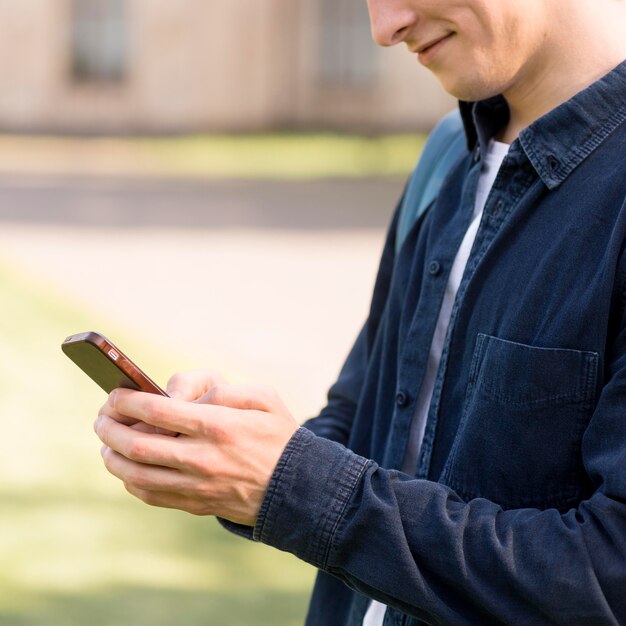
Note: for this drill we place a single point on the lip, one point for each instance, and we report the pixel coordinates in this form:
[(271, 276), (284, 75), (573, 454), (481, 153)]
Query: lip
[(427, 52)]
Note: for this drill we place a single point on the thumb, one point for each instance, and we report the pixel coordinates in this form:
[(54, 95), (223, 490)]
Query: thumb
[(255, 397), (193, 384)]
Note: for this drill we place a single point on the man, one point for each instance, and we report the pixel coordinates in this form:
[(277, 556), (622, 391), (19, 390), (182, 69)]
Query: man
[(483, 405)]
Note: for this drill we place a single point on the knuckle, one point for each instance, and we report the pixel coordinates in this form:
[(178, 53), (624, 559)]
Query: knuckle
[(205, 467), (201, 503), (138, 479), (267, 397), (137, 450), (199, 510), (205, 492), (134, 489), (222, 433), (217, 395), (141, 482), (150, 498), (156, 408)]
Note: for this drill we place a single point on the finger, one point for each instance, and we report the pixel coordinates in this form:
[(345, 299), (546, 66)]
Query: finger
[(108, 409), (193, 384), (146, 428), (170, 500), (244, 397), (179, 416), (142, 476), (138, 446), (156, 486)]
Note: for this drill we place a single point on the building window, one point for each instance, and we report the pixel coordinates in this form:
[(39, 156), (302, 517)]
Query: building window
[(99, 40), (347, 53)]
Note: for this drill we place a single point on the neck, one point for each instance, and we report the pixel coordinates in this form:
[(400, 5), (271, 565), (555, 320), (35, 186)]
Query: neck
[(581, 53)]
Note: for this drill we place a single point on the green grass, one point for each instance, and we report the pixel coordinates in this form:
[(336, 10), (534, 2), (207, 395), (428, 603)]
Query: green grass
[(287, 156), (75, 549), (280, 156)]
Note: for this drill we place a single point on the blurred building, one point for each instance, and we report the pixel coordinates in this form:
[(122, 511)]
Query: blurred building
[(215, 65)]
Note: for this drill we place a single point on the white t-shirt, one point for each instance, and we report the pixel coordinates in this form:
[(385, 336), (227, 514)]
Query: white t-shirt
[(496, 152)]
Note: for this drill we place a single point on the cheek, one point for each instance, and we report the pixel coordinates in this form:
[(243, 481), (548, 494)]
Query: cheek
[(518, 37), (492, 43), (484, 63), (500, 33)]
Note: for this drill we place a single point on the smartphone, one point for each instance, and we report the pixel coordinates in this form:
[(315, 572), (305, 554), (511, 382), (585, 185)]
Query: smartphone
[(106, 364)]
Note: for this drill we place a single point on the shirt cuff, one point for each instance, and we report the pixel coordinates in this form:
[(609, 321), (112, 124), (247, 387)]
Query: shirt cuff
[(307, 497)]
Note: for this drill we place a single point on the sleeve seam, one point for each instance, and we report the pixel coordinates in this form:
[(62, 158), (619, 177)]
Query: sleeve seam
[(263, 527), (355, 473)]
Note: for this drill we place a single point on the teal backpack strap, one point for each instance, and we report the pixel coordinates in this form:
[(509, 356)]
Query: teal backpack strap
[(445, 146)]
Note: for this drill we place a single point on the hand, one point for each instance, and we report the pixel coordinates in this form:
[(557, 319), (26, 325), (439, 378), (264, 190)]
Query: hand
[(186, 386), (231, 438)]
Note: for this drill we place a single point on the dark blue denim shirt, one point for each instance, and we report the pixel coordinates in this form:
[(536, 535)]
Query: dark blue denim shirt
[(516, 513)]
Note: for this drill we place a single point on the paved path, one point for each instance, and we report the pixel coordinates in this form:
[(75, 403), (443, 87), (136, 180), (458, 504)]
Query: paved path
[(128, 203), (266, 281)]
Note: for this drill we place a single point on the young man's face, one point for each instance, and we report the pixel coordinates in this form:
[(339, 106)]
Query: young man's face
[(476, 48)]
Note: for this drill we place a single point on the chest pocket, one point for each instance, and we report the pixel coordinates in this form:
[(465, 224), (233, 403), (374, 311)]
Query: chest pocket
[(525, 412)]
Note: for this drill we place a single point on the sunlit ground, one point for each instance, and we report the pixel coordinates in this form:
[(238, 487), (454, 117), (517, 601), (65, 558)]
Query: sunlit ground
[(74, 548)]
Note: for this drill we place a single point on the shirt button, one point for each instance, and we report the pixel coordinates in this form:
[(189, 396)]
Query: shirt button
[(402, 399), (434, 268)]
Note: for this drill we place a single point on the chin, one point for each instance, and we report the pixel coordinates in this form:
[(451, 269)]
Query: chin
[(470, 88)]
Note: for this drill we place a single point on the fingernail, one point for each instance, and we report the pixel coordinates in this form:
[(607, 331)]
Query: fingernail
[(112, 397)]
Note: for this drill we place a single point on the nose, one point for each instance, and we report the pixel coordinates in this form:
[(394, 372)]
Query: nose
[(391, 21)]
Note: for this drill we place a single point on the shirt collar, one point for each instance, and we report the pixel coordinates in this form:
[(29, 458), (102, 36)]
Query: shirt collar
[(558, 142)]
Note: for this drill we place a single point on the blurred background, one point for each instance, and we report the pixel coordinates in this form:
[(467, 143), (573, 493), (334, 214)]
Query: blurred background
[(208, 184)]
